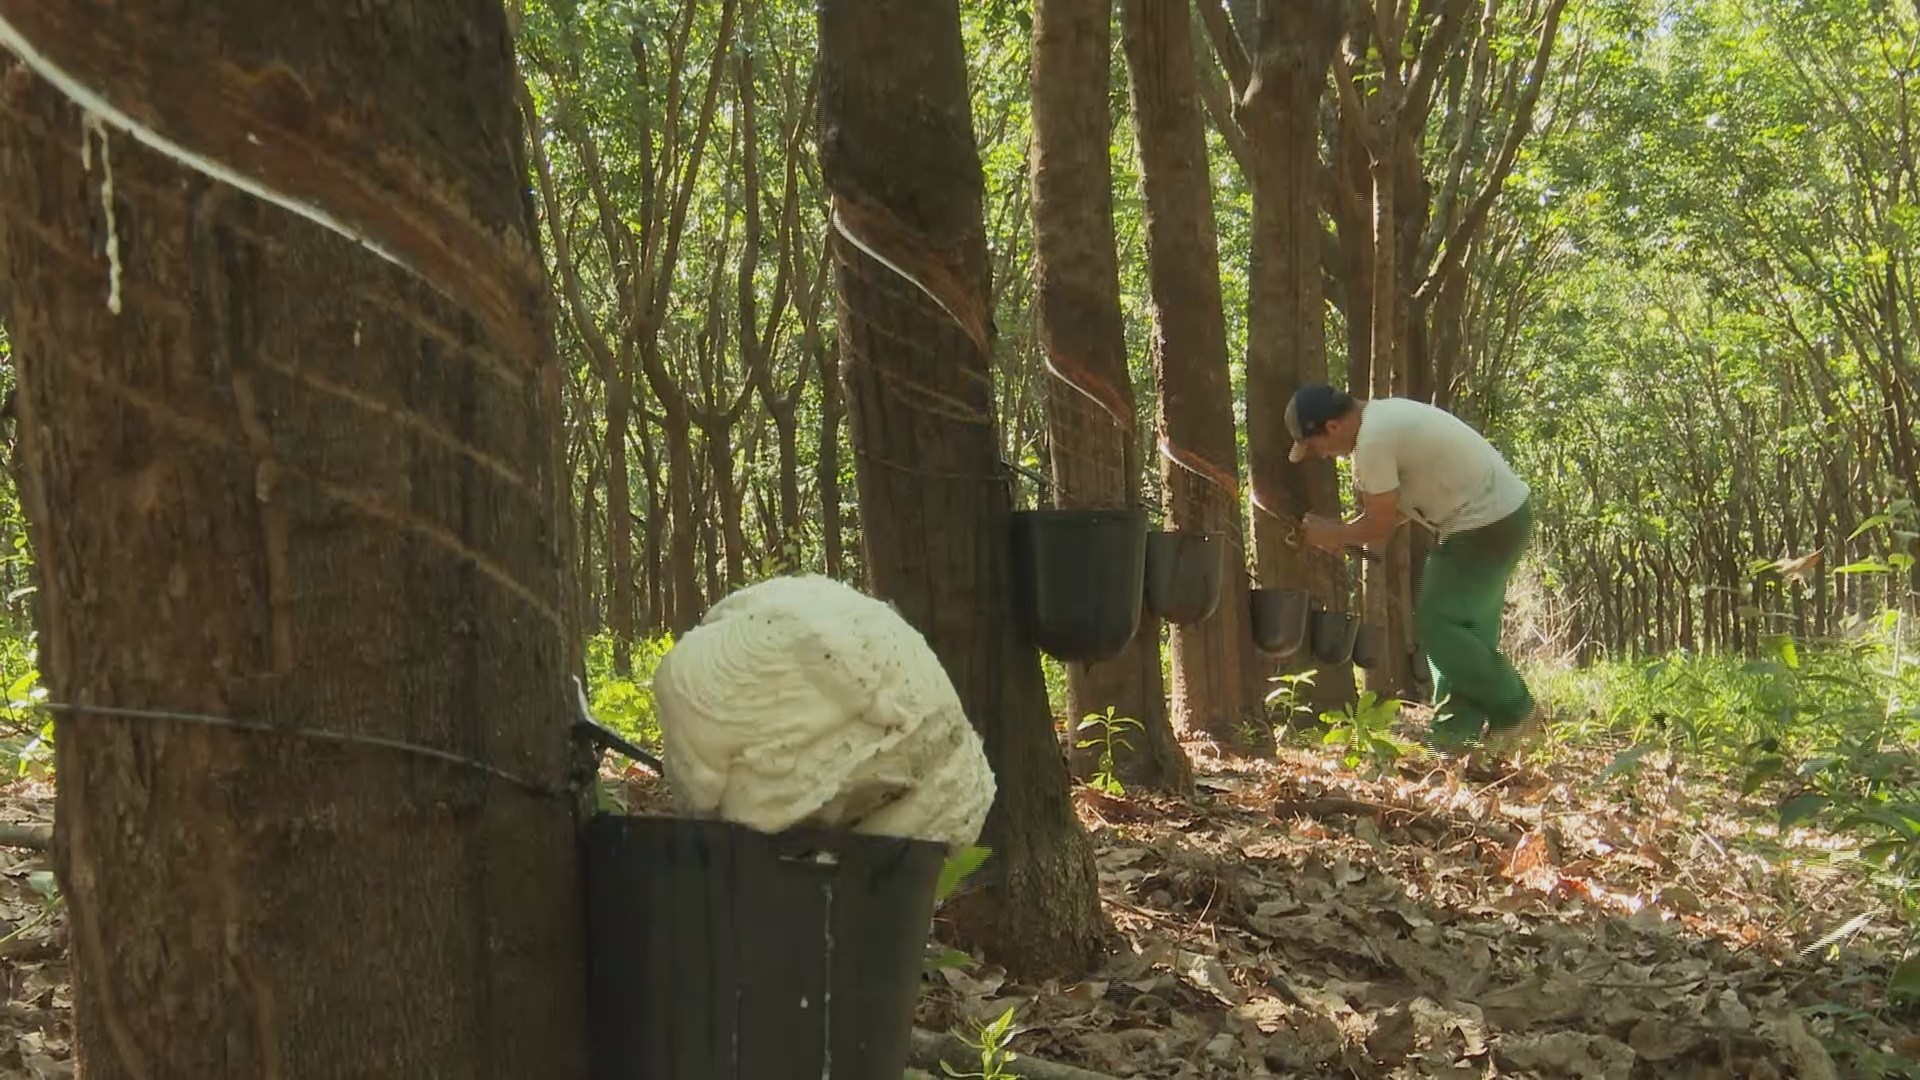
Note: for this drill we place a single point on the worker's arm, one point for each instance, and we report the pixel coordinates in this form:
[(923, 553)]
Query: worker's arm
[(1379, 516)]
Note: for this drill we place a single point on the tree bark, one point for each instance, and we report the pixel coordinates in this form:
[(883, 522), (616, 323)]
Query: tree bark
[(1089, 405), (827, 450), (1286, 322), (619, 516), (1199, 459), (657, 594), (275, 478), (728, 543), (898, 157), (683, 530), (589, 512)]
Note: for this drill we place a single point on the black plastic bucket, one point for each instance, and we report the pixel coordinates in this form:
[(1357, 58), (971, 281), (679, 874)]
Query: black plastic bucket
[(1280, 618), (1369, 646), (1184, 570), (1333, 635), (1078, 578), (719, 953)]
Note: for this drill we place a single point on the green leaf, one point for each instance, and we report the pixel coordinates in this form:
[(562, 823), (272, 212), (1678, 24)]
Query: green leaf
[(1788, 652), (1800, 808), (956, 869), (1899, 824), (944, 957), (1881, 852), (1764, 769), (1865, 566), (1626, 761), (1868, 525), (1905, 980)]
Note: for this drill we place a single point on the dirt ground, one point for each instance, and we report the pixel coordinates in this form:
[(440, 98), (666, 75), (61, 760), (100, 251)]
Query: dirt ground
[(1300, 918)]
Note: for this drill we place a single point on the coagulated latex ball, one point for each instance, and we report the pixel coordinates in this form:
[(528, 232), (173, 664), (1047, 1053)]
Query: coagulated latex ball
[(802, 701)]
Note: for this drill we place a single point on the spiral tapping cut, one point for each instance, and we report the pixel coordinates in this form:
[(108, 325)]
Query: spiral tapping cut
[(101, 113)]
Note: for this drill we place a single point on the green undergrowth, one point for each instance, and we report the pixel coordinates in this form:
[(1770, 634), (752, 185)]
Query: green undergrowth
[(1796, 698), (1809, 735), (26, 733), (625, 702)]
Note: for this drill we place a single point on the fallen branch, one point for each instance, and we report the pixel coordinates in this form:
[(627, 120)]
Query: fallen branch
[(30, 837), (930, 1050), (1329, 805)]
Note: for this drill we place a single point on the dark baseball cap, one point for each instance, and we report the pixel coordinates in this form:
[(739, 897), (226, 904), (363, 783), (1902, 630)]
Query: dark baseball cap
[(1307, 414)]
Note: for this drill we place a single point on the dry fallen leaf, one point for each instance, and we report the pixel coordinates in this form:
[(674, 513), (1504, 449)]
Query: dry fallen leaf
[(1789, 1032), (1448, 941), (1570, 1054), (1207, 973), (1309, 1040), (1659, 1039), (1532, 865)]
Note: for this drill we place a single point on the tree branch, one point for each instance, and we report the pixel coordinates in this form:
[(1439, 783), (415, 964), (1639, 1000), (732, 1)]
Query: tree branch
[(1226, 45), (1351, 103), (29, 837), (1213, 94), (1496, 177), (1434, 51)]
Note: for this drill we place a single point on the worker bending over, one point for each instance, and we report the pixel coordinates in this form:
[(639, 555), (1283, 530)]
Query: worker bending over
[(1412, 461)]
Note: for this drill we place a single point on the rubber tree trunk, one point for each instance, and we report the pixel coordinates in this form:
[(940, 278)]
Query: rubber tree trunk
[(1198, 457), (827, 454), (275, 477), (898, 157), (683, 567), (1286, 318), (620, 603), (583, 559), (791, 532), (1353, 220), (1385, 581), (1091, 422), (653, 565)]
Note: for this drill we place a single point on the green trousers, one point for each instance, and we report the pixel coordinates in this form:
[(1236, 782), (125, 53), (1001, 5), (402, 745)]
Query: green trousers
[(1475, 689)]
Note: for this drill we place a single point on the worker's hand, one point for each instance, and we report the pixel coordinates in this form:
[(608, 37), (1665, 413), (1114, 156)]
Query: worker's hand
[(1322, 532)]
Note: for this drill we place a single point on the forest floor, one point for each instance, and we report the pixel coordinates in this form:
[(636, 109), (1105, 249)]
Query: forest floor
[(1298, 917), (1574, 918)]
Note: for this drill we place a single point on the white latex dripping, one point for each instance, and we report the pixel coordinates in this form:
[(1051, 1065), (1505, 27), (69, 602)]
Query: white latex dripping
[(99, 110), (89, 128)]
